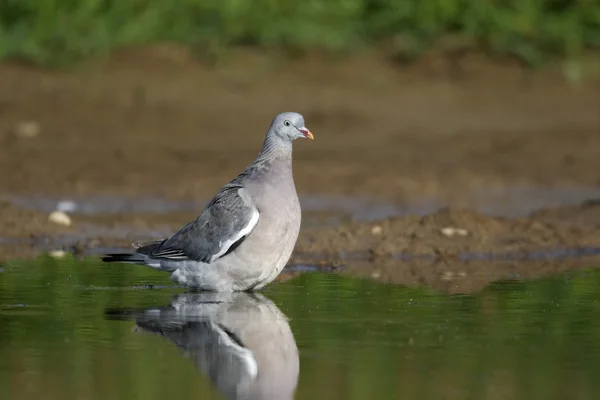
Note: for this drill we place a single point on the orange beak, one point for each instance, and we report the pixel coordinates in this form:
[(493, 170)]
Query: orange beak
[(307, 134)]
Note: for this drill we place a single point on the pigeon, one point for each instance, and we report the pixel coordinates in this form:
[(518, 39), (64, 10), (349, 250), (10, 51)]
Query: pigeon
[(241, 341), (246, 234)]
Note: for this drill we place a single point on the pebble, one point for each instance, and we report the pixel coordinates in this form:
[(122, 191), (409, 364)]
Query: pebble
[(448, 276), (60, 218), (376, 230), (451, 231)]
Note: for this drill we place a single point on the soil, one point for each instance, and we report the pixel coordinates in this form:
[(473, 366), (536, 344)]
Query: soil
[(154, 122), (449, 233)]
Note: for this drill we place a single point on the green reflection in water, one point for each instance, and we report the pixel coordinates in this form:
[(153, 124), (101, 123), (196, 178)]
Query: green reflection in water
[(357, 339)]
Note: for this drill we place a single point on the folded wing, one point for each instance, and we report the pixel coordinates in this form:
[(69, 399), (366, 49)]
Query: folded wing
[(223, 225)]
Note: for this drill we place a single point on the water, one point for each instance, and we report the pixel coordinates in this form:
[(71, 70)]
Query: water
[(343, 206), (509, 201), (68, 331)]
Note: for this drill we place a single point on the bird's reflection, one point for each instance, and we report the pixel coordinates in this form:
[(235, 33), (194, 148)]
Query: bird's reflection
[(242, 341)]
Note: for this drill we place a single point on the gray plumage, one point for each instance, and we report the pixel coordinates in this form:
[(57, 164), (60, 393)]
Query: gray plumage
[(247, 232), (241, 341)]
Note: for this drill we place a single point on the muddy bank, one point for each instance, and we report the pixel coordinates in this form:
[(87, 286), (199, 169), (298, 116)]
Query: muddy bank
[(451, 232), (444, 234), (18, 222), (452, 250)]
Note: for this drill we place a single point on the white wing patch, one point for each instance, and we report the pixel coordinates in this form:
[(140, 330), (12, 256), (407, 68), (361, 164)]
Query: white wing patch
[(224, 246), (243, 354)]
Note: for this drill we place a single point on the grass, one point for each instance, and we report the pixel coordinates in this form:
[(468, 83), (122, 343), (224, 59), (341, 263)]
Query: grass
[(54, 32)]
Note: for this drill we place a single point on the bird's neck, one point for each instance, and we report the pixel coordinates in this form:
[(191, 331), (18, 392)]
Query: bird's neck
[(275, 147)]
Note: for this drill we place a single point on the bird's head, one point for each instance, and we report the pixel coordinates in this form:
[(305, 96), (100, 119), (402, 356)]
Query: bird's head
[(290, 126)]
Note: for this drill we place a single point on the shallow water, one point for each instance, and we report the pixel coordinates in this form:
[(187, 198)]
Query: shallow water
[(66, 332), (508, 201)]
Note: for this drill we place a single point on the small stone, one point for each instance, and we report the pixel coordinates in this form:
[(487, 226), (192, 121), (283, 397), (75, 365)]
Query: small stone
[(447, 276), (451, 231), (376, 230), (461, 232), (447, 231), (60, 218), (27, 129), (376, 274)]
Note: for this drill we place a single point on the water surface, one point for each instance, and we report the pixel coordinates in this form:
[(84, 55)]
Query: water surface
[(86, 330)]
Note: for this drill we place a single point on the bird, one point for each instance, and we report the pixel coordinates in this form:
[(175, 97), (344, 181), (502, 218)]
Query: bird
[(246, 234), (240, 340)]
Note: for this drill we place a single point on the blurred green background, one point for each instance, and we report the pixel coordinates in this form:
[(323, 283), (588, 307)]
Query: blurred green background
[(51, 32)]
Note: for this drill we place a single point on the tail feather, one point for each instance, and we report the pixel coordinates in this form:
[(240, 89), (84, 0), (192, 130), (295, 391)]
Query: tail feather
[(124, 258)]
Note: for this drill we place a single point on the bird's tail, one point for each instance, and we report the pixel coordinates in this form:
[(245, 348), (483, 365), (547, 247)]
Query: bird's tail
[(127, 258)]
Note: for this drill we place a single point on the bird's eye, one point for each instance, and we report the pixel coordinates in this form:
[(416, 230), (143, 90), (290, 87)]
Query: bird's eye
[(286, 123)]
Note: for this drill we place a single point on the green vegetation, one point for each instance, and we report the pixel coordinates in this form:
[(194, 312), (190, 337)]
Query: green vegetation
[(57, 31), (358, 339)]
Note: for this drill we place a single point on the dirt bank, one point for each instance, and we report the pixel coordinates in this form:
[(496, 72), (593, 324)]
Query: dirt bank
[(450, 232), (452, 250)]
